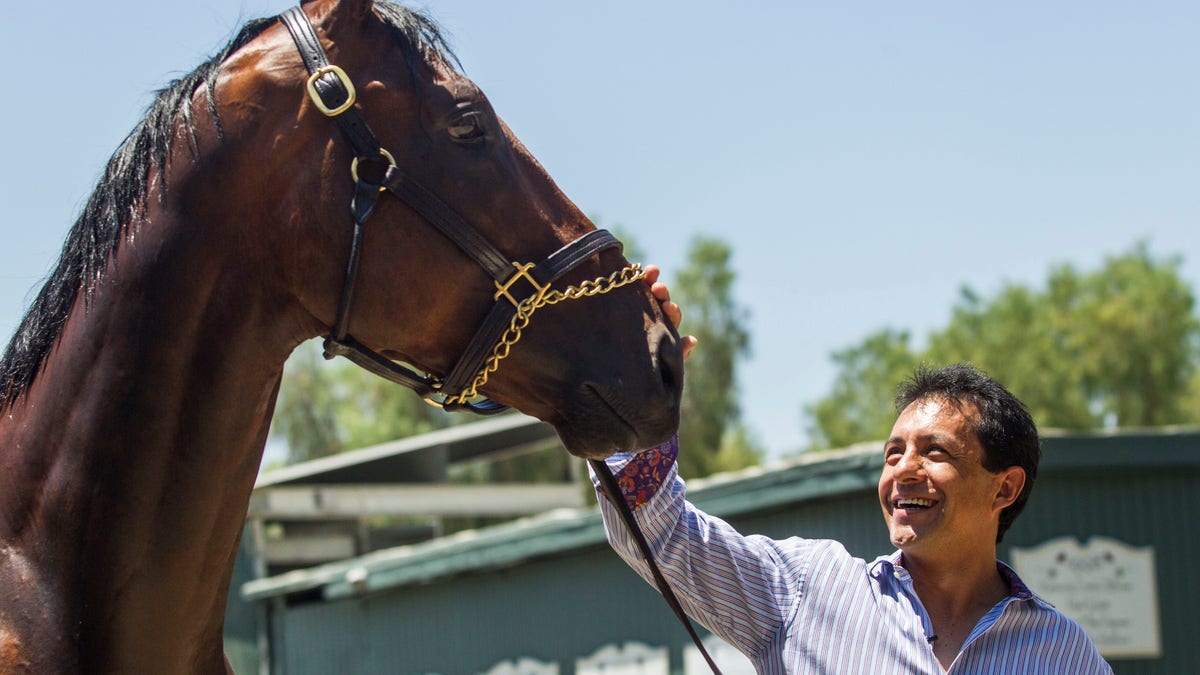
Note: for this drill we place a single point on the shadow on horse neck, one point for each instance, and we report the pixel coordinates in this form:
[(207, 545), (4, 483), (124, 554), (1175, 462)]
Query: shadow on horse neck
[(137, 392)]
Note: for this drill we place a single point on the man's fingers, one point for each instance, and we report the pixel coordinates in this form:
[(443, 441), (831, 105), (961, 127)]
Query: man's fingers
[(688, 343), (672, 312), (652, 273)]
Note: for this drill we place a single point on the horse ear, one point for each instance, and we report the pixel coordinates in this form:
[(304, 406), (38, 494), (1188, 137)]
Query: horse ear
[(358, 9)]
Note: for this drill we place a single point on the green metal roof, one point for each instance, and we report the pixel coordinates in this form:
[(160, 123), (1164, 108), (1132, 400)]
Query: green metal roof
[(384, 462), (808, 477)]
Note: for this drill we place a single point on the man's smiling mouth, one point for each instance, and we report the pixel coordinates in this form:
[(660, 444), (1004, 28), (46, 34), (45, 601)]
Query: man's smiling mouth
[(912, 503)]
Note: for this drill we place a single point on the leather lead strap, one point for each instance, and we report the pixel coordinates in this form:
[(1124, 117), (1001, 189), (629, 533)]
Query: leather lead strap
[(609, 484)]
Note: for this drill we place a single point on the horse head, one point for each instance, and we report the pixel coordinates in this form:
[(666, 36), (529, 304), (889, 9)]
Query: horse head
[(604, 369)]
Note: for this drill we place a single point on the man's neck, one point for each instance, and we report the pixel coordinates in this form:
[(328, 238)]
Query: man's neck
[(946, 580), (956, 594)]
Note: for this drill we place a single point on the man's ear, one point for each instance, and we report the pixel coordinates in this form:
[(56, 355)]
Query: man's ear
[(1010, 483)]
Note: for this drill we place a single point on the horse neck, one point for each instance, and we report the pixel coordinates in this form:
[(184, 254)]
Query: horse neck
[(130, 460)]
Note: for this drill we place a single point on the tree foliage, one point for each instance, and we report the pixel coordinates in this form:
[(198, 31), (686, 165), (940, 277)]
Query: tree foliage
[(1119, 346), (711, 435), (326, 407), (629, 245), (861, 401)]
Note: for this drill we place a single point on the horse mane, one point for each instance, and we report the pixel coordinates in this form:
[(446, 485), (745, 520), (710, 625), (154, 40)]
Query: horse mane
[(121, 192)]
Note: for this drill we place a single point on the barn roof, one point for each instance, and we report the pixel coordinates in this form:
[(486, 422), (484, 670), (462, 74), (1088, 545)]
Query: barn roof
[(808, 477)]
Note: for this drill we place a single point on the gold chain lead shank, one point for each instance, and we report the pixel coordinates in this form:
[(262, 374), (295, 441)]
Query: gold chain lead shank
[(525, 309)]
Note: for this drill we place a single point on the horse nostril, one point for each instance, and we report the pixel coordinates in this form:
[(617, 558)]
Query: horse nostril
[(670, 366)]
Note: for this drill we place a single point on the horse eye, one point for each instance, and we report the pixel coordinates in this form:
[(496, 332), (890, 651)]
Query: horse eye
[(466, 128)]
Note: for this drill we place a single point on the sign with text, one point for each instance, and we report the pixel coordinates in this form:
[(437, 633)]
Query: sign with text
[(1108, 587), (632, 658)]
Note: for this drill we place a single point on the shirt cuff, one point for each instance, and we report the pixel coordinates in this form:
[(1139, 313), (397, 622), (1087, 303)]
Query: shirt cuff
[(639, 476)]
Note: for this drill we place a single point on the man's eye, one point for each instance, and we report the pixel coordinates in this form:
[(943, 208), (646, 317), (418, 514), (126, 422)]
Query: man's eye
[(466, 128)]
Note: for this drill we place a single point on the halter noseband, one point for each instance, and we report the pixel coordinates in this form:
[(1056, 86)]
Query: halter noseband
[(333, 93)]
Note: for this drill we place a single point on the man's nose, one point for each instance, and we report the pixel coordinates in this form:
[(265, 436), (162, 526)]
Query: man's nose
[(909, 466)]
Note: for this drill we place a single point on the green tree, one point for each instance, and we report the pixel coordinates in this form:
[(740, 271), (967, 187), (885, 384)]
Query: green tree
[(1117, 346), (1191, 400), (1025, 339), (710, 428), (1139, 341), (630, 248), (326, 407), (860, 406)]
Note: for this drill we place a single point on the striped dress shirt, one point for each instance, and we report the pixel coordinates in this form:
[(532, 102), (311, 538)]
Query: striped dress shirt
[(808, 606)]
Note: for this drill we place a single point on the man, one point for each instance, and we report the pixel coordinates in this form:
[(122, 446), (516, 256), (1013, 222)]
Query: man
[(957, 469)]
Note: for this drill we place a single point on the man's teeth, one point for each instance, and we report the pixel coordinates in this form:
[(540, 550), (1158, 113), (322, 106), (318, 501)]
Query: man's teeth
[(909, 503)]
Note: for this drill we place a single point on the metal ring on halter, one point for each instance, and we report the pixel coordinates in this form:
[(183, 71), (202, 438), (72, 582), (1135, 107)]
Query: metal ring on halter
[(354, 166), (316, 96)]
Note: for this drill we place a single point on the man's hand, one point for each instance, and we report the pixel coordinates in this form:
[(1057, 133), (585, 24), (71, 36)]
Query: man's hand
[(661, 293)]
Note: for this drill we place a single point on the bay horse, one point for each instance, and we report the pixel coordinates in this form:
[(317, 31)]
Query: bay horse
[(136, 394)]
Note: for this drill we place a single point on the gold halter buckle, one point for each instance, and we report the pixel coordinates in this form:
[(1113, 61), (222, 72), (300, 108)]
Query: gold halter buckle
[(316, 97)]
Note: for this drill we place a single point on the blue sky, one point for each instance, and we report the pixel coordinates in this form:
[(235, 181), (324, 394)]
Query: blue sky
[(865, 160)]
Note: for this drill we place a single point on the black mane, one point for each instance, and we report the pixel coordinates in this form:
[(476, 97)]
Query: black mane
[(121, 192)]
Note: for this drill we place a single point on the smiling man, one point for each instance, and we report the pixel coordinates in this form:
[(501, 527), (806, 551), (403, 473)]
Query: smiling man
[(957, 469)]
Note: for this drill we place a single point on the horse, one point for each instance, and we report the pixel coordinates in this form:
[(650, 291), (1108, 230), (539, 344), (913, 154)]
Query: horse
[(231, 226)]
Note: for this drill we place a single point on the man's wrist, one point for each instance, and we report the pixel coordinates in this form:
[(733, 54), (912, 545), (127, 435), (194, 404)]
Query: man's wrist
[(643, 474)]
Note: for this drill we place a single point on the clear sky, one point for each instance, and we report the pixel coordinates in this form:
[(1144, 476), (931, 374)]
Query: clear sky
[(865, 159)]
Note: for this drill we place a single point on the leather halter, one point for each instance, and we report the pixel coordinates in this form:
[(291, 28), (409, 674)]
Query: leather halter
[(333, 93)]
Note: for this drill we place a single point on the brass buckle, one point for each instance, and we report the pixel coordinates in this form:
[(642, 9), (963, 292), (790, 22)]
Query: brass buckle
[(522, 271), (354, 166), (316, 97)]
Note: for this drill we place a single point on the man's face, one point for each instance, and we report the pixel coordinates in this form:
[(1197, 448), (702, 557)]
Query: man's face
[(936, 496)]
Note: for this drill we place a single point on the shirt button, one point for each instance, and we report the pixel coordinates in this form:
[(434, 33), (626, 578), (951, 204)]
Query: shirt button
[(897, 574)]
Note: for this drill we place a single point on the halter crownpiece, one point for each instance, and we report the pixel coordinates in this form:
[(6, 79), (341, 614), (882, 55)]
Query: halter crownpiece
[(332, 92)]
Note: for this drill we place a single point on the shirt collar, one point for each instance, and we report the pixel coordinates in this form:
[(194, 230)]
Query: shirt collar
[(889, 566), (1018, 588)]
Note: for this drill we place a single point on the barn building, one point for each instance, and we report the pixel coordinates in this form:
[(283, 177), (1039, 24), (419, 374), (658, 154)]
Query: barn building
[(1108, 536)]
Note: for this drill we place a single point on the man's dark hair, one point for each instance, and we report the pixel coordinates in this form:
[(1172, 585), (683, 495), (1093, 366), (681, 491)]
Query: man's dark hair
[(1003, 425)]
